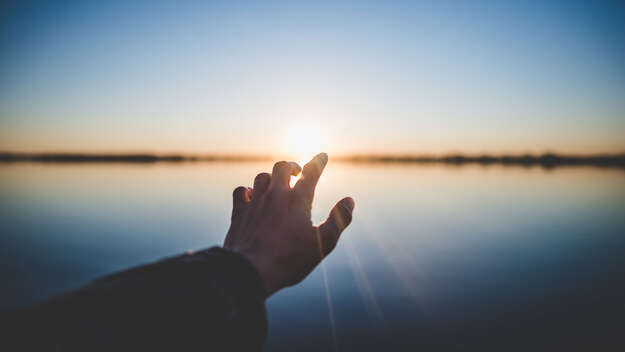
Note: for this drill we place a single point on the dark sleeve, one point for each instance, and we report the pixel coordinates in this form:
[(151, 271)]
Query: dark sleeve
[(212, 300)]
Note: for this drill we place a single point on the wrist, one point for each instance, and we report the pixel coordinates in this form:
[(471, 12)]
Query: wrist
[(270, 280), (268, 277)]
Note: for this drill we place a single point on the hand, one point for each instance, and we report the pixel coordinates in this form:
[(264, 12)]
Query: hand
[(271, 224)]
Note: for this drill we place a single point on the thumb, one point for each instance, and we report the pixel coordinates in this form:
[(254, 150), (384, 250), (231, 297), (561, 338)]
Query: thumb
[(329, 232)]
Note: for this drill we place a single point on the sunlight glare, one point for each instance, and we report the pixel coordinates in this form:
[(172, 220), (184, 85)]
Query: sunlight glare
[(303, 141)]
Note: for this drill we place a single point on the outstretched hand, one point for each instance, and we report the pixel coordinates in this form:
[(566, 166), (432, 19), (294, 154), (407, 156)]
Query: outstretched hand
[(271, 224)]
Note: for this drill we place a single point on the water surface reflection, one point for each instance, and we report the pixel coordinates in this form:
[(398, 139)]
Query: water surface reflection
[(437, 255)]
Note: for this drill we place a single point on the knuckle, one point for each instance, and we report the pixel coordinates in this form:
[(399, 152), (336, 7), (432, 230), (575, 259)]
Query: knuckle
[(302, 198), (312, 168), (273, 194), (329, 240), (333, 227)]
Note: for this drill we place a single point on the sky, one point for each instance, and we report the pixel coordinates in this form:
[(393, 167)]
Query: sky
[(266, 77)]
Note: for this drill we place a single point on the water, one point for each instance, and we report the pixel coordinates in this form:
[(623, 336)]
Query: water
[(437, 256)]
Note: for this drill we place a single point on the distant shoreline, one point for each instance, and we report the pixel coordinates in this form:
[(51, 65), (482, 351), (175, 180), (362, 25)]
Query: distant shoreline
[(544, 160)]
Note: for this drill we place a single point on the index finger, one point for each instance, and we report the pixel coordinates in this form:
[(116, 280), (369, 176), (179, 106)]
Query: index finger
[(310, 176)]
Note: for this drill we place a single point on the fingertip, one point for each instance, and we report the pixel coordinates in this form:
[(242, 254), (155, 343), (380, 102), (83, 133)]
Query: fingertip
[(261, 183), (323, 158), (295, 168), (282, 171), (315, 166), (239, 198), (343, 212), (277, 167), (262, 177), (340, 217), (348, 203), (238, 192)]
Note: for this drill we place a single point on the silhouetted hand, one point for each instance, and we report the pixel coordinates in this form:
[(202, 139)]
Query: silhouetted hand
[(271, 224)]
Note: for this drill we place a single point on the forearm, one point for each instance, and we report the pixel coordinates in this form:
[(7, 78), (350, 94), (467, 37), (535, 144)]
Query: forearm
[(212, 298)]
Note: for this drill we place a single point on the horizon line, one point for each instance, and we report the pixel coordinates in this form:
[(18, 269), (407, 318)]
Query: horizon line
[(546, 160)]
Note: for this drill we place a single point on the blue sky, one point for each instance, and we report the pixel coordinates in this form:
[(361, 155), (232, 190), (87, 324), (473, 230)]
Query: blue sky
[(382, 77)]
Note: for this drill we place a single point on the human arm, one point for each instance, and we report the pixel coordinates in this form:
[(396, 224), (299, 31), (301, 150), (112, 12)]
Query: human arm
[(211, 299)]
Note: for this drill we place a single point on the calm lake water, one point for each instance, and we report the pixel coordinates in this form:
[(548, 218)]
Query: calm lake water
[(437, 256)]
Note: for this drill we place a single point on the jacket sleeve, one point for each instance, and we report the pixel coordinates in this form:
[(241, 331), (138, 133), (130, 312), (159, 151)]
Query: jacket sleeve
[(212, 300)]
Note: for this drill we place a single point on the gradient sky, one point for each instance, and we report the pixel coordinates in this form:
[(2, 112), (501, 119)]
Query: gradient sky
[(384, 77)]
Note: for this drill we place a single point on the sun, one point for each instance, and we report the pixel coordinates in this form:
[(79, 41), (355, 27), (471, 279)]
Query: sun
[(305, 140)]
